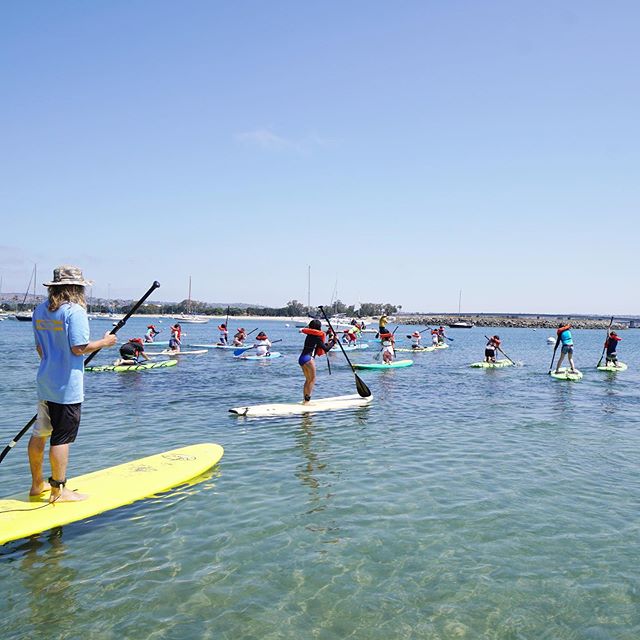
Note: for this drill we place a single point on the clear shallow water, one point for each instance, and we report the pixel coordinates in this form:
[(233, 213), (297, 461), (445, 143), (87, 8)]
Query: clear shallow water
[(463, 503)]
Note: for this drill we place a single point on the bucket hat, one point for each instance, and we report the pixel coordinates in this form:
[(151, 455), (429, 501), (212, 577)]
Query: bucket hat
[(68, 275)]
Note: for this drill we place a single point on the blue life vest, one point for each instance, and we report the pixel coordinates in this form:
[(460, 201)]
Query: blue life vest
[(566, 338)]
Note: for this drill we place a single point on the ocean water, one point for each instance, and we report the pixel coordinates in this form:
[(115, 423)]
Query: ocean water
[(463, 503)]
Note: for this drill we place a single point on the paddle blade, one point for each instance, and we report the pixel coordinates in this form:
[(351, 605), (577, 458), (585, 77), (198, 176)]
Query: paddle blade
[(240, 350), (363, 390)]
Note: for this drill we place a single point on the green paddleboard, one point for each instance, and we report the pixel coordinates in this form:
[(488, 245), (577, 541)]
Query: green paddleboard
[(398, 364), (132, 367), (564, 374), (621, 367), (498, 364)]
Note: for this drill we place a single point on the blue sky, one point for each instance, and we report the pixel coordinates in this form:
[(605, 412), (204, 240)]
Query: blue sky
[(403, 150)]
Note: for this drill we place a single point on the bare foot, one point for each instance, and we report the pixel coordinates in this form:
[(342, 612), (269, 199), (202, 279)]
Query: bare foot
[(66, 495), (37, 489)]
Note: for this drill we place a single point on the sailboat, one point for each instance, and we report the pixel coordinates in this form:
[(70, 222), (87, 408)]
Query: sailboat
[(460, 324), (189, 317), (27, 315)]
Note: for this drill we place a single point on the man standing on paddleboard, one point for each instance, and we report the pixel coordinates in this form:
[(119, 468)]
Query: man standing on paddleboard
[(61, 331)]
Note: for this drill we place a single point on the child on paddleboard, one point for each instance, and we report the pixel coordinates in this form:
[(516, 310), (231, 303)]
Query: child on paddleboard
[(151, 333), (239, 337), (490, 349), (262, 345), (388, 342), (415, 340), (441, 335), (314, 345), (565, 337), (130, 352), (176, 337), (435, 338), (223, 338), (611, 344)]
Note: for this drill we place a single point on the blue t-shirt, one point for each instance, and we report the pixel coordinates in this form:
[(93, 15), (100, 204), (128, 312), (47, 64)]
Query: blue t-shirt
[(61, 374)]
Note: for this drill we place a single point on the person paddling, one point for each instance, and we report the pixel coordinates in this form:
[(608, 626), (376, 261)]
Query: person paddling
[(490, 349), (441, 335), (130, 352), (61, 331), (611, 344), (151, 333), (382, 323), (435, 338), (416, 338), (388, 342), (223, 338), (176, 337), (565, 337), (239, 337), (262, 345), (314, 345)]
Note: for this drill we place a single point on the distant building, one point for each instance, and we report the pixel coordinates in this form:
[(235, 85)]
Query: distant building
[(634, 324)]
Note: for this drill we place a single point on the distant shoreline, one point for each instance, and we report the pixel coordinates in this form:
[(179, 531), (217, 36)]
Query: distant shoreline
[(534, 322)]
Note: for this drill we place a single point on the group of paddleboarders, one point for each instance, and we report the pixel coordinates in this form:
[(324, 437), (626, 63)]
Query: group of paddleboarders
[(565, 339)]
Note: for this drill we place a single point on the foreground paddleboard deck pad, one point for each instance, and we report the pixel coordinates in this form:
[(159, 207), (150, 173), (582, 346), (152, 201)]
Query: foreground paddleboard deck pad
[(498, 364), (122, 368), (565, 374), (337, 403), (21, 516), (620, 367), (397, 364)]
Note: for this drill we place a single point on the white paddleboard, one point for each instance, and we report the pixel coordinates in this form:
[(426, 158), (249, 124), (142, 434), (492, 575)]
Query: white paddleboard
[(197, 352), (297, 408)]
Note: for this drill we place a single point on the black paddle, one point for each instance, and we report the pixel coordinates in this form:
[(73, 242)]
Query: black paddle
[(361, 387), (605, 344), (502, 352), (553, 357), (113, 331)]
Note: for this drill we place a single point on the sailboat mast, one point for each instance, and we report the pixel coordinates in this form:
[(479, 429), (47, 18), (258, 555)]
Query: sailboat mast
[(309, 289), (189, 300), (35, 277), (459, 301)]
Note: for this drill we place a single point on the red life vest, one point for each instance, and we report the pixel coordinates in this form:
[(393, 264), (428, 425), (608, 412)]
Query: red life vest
[(315, 332), (565, 328)]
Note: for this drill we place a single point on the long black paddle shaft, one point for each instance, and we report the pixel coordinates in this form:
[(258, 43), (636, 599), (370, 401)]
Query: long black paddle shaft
[(362, 388), (605, 344), (113, 331), (501, 351), (553, 357)]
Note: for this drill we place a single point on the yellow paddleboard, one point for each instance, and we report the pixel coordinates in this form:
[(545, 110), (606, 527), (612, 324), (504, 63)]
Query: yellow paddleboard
[(21, 516)]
